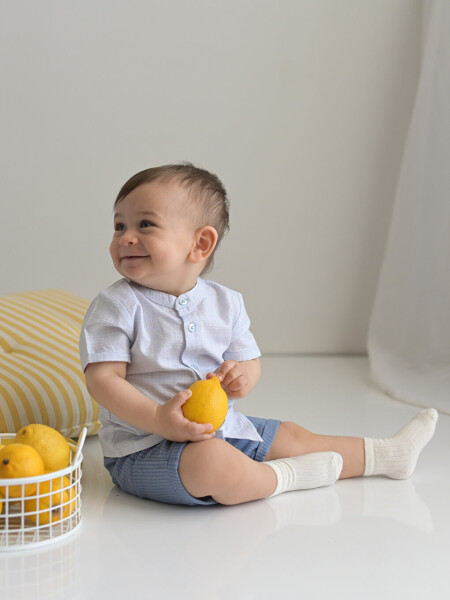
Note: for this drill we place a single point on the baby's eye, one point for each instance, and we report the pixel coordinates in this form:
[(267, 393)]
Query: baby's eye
[(119, 226), (144, 224)]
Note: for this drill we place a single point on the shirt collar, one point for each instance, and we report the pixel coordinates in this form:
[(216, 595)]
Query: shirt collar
[(192, 296)]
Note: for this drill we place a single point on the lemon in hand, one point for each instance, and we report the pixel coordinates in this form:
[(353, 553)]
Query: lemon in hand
[(19, 460), (208, 403), (50, 444)]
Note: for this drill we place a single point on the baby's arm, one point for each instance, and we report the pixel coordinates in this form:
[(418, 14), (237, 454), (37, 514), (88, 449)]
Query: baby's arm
[(238, 378), (106, 383)]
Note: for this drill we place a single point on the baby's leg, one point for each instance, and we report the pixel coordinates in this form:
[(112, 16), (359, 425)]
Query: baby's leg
[(395, 457), (216, 468), (293, 440)]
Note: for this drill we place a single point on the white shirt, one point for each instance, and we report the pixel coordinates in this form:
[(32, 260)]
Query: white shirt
[(169, 343)]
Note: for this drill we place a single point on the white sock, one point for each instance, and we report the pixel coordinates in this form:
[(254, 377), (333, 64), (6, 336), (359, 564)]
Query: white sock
[(397, 456), (306, 472)]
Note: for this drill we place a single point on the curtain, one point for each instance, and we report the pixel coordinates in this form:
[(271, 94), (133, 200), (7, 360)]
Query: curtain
[(409, 331)]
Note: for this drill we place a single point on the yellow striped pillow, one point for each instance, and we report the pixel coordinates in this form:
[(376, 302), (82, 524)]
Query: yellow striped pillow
[(40, 375)]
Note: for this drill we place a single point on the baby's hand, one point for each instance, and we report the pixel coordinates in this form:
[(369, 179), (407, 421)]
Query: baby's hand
[(170, 422), (235, 378)]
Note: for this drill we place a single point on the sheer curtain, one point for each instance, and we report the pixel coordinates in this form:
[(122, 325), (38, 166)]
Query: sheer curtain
[(409, 333)]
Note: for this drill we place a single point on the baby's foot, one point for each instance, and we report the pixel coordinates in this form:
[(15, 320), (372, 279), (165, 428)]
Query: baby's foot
[(397, 456)]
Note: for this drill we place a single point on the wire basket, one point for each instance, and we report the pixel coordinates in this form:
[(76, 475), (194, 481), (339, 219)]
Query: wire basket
[(50, 512)]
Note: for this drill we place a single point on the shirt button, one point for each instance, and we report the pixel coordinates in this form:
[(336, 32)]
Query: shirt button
[(183, 301), (191, 327)]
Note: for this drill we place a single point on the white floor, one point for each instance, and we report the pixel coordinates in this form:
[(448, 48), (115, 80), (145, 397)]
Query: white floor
[(360, 539)]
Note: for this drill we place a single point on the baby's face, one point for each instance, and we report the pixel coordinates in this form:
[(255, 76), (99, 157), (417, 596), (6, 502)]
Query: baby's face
[(152, 240)]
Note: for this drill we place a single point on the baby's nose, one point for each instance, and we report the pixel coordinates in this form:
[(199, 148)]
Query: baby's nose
[(128, 238)]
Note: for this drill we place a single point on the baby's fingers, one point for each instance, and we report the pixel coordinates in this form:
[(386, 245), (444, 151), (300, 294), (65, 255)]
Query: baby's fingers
[(181, 398), (202, 437), (222, 371), (202, 430)]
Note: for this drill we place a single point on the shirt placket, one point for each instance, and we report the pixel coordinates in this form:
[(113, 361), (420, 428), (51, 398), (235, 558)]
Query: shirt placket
[(192, 330)]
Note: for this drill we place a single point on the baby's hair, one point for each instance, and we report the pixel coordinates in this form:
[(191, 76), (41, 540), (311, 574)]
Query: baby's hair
[(206, 198)]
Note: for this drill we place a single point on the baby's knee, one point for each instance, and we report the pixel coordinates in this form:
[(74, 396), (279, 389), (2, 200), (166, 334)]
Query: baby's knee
[(290, 440), (214, 456), (294, 430), (213, 461)]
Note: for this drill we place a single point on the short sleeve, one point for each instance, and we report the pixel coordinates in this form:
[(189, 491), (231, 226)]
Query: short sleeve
[(106, 332), (243, 345)]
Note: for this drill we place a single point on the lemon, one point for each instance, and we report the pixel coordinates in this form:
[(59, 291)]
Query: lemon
[(208, 403), (19, 460), (54, 501), (6, 441), (50, 444)]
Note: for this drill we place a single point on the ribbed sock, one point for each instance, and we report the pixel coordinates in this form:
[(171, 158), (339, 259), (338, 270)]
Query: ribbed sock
[(397, 456), (306, 472)]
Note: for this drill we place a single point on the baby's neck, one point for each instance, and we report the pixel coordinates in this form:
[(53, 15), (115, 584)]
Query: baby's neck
[(172, 291)]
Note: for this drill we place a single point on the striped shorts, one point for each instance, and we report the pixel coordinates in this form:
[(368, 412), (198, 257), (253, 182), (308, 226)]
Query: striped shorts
[(153, 473)]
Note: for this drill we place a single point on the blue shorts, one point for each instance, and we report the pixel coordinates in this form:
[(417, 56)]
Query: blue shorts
[(153, 473)]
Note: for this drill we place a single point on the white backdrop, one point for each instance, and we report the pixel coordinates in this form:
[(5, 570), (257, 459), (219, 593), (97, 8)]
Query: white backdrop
[(301, 107), (409, 335)]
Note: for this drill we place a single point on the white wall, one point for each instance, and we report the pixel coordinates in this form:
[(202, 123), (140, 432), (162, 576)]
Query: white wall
[(300, 106)]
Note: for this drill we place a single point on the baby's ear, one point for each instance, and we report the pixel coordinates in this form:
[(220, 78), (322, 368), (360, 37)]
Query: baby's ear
[(205, 242)]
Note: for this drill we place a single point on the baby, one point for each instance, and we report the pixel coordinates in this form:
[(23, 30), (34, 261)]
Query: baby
[(150, 335)]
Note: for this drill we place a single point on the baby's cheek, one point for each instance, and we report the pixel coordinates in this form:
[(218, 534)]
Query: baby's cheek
[(113, 250)]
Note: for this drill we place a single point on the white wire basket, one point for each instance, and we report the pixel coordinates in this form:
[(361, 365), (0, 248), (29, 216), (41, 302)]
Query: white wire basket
[(51, 512)]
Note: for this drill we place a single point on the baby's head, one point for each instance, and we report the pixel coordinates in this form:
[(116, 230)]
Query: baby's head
[(204, 202)]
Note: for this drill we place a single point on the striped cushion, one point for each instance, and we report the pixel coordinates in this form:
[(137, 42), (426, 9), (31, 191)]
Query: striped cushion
[(40, 375)]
